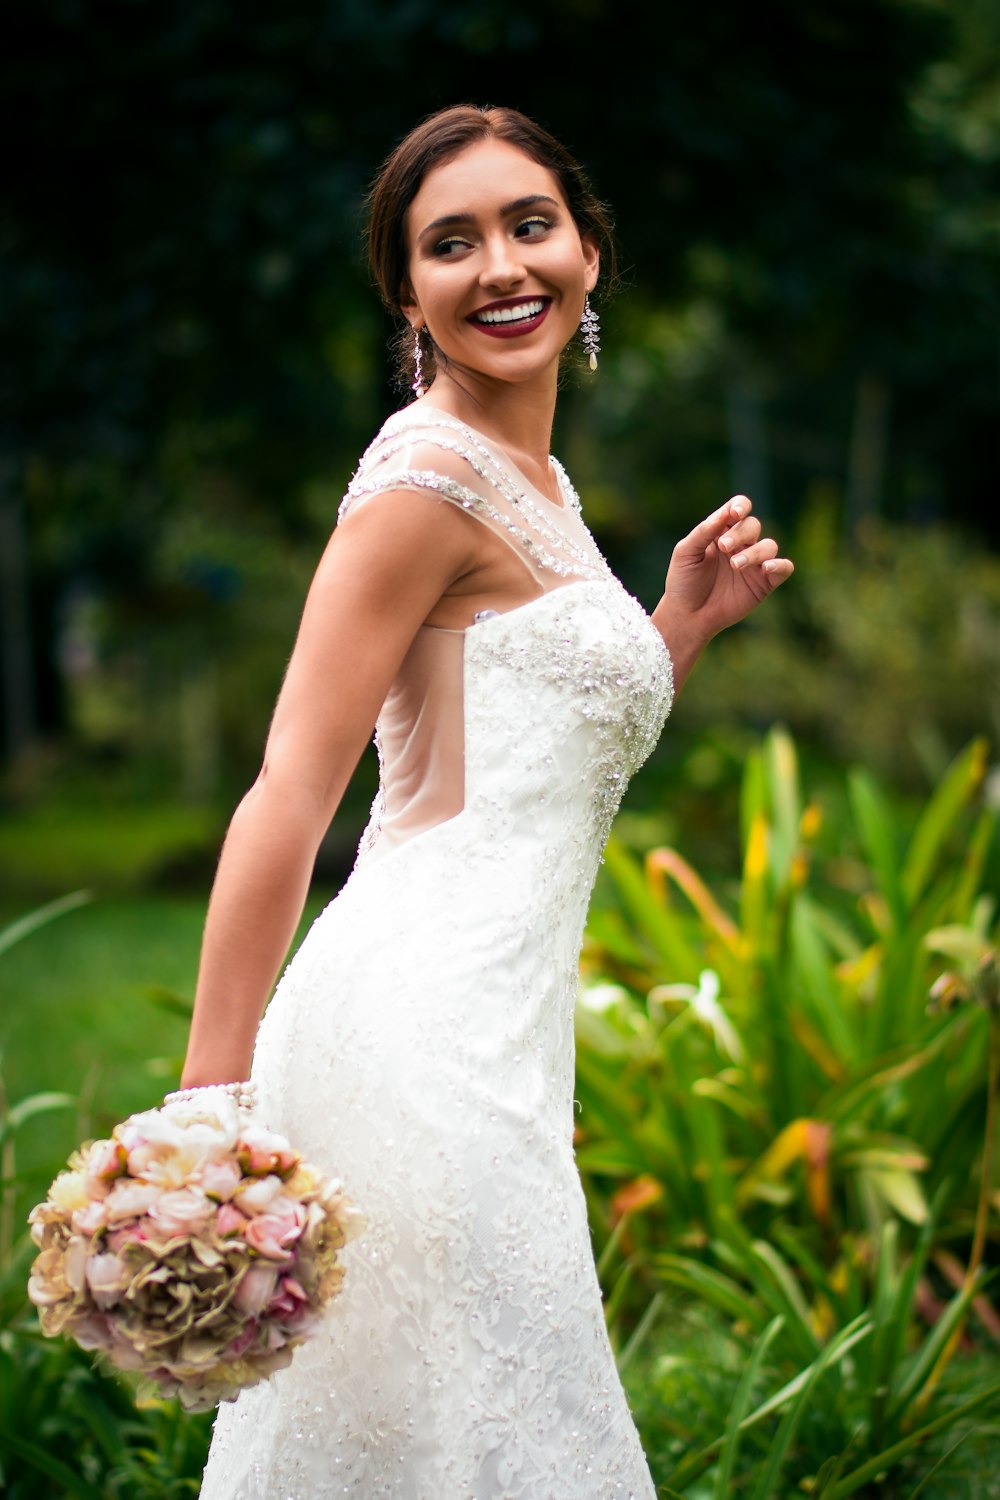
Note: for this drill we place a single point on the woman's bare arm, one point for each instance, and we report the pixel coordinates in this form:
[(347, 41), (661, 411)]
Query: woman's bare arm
[(385, 568)]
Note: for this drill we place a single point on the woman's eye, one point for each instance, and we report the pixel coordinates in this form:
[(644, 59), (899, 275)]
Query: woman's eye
[(532, 228), (449, 246)]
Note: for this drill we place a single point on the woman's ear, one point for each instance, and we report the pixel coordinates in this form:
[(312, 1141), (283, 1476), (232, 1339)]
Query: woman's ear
[(409, 306), (591, 259)]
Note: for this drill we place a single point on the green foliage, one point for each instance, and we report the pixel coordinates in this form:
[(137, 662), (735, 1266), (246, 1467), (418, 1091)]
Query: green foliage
[(195, 358), (769, 1099), (66, 1429), (885, 652), (784, 1136)]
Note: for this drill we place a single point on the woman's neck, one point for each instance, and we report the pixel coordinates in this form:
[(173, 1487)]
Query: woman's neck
[(518, 418)]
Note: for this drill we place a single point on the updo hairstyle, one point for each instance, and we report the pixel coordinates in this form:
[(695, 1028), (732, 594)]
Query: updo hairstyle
[(440, 137)]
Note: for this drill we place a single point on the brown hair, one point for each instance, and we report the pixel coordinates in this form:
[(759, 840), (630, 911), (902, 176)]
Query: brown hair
[(438, 138)]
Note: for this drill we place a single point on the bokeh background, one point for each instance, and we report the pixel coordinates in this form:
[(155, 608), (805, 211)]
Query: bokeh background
[(807, 194)]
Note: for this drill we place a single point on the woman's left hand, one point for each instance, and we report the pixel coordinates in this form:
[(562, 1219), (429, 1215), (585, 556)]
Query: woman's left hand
[(718, 573)]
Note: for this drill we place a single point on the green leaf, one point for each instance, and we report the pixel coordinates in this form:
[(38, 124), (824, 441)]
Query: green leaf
[(878, 839), (26, 925), (930, 1350), (35, 1104), (786, 802), (738, 1410), (881, 1462), (815, 975), (976, 855), (938, 819), (777, 1287), (695, 1463), (660, 927), (172, 1001), (43, 1461), (711, 1285), (782, 1441)]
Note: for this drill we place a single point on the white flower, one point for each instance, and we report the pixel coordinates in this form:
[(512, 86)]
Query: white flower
[(171, 1145), (69, 1192), (601, 996), (704, 1000)]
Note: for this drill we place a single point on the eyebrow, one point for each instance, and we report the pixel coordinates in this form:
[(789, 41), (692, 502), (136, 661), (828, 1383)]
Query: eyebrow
[(448, 221)]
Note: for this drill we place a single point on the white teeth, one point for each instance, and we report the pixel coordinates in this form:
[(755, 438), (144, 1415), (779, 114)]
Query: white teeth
[(518, 314)]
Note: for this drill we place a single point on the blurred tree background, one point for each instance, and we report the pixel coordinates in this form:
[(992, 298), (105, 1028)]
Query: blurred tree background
[(806, 195)]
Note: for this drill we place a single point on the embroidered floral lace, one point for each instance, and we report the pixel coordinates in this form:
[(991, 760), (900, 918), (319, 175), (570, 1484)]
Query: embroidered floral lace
[(420, 1044)]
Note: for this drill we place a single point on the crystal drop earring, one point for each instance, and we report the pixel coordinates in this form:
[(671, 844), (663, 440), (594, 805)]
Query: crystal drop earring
[(590, 327), (418, 361)]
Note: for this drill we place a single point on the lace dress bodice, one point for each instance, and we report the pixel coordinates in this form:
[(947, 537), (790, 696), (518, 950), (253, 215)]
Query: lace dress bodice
[(420, 1045)]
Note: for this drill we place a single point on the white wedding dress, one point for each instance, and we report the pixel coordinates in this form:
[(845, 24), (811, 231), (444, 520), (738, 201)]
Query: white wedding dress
[(420, 1044)]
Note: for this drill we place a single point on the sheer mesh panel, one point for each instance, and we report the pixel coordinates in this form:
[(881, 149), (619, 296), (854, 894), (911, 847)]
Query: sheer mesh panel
[(420, 730)]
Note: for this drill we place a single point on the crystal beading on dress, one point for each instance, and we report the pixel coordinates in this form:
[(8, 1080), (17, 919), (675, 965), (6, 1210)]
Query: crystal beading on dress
[(421, 1043), (508, 504)]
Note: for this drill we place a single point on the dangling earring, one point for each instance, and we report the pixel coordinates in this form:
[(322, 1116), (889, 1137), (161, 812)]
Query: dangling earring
[(590, 327), (418, 361)]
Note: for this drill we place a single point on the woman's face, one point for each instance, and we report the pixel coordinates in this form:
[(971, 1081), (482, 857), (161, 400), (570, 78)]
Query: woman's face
[(498, 270)]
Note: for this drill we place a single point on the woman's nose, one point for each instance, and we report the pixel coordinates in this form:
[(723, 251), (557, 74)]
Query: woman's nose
[(502, 265)]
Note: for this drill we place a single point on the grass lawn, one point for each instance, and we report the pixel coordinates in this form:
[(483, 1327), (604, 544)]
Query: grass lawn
[(81, 1011)]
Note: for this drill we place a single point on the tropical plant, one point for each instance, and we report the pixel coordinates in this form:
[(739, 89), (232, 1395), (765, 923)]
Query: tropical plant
[(771, 1094)]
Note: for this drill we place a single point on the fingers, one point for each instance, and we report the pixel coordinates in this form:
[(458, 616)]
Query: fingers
[(735, 542), (753, 551), (778, 570), (712, 528), (735, 531)]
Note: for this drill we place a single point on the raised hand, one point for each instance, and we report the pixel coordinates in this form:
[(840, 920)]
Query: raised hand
[(718, 573)]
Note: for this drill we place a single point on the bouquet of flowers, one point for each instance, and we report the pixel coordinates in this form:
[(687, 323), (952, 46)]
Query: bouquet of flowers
[(193, 1246)]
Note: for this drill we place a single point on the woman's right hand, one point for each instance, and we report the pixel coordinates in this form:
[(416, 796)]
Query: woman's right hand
[(718, 574)]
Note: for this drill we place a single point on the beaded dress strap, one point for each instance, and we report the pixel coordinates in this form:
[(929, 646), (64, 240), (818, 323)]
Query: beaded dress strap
[(525, 522)]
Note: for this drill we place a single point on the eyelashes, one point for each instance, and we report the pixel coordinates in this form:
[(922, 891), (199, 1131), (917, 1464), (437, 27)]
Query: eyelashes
[(531, 228), (443, 248), (537, 221)]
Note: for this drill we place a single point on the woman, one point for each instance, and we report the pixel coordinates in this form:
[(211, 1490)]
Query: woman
[(420, 1045)]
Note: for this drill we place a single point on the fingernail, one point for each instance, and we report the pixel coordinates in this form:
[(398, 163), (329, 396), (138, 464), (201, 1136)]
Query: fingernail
[(740, 561), (725, 544)]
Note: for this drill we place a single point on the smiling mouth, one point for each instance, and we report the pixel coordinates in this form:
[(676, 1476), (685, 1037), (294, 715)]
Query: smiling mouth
[(520, 312), (507, 320)]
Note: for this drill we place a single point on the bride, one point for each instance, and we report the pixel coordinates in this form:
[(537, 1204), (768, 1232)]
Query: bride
[(420, 1044)]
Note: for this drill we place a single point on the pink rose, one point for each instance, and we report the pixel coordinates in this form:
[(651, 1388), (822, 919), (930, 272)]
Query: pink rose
[(261, 1151), (220, 1179), (91, 1218), (273, 1235), (258, 1196), (256, 1289), (183, 1211), (229, 1220), (75, 1262), (127, 1200), (107, 1277), (104, 1161), (238, 1346), (290, 1305), (93, 1331)]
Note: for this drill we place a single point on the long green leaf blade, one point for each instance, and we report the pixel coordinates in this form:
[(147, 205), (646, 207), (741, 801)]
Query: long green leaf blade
[(961, 781), (738, 1410)]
